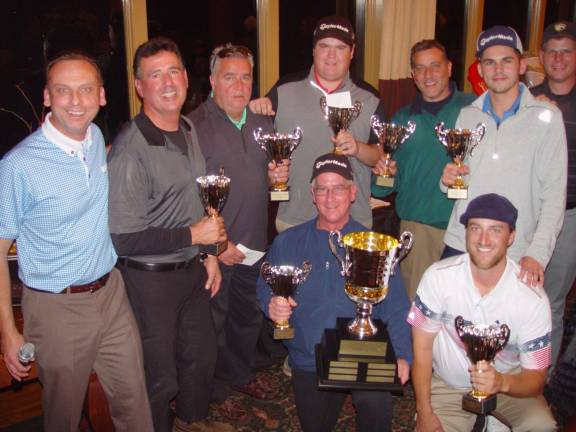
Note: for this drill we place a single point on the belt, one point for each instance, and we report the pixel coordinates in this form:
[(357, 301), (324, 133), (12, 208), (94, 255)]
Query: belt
[(75, 289), (155, 267)]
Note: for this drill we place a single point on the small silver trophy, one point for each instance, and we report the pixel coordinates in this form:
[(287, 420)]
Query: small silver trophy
[(482, 343), (213, 193), (459, 143), (340, 118), (369, 260), (390, 136), (283, 280), (278, 147)]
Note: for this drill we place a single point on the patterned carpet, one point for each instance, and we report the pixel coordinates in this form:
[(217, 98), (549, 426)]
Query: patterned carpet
[(280, 414)]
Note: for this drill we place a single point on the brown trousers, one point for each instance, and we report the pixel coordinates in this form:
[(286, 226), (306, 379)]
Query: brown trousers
[(77, 333)]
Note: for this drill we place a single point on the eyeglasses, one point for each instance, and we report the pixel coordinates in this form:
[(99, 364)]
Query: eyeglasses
[(338, 190)]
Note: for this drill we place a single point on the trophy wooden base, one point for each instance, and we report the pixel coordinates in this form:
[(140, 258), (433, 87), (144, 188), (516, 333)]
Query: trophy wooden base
[(385, 181), (345, 362), (479, 406), (279, 195), (283, 333), (213, 249), (457, 193)]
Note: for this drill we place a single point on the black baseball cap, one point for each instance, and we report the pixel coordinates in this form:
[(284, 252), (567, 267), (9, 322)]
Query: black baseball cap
[(559, 29), (336, 27), (491, 206), (334, 163)]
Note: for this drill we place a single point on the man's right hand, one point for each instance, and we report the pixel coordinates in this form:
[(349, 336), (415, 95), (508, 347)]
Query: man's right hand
[(11, 343), (208, 231), (380, 167), (451, 171), (280, 308), (261, 106), (428, 422)]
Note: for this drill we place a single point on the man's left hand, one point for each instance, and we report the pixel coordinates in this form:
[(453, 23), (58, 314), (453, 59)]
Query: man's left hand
[(485, 378), (531, 272), (403, 370), (231, 255), (214, 276), (346, 143)]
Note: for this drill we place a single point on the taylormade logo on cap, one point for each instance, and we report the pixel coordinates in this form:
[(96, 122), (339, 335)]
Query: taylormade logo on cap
[(333, 26), (330, 161), (499, 36)]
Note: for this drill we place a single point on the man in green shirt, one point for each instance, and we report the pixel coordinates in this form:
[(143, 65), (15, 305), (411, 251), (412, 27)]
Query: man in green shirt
[(422, 208)]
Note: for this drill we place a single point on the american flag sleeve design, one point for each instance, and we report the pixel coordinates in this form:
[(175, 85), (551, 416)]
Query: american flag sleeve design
[(422, 317), (536, 353)]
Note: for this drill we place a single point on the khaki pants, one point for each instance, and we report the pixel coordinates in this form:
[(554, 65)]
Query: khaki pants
[(524, 414), (427, 248), (75, 333)]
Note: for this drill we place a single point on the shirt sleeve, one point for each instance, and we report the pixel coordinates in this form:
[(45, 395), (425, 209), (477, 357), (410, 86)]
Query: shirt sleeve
[(534, 339), (425, 312), (14, 200)]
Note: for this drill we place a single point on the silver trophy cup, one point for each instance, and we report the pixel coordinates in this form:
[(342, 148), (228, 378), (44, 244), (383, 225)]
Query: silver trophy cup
[(213, 194), (283, 280), (482, 343), (340, 118), (369, 260), (390, 136), (459, 143), (278, 147)]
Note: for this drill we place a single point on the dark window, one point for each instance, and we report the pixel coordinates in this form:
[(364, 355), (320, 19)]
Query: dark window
[(559, 10), (513, 13), (450, 33)]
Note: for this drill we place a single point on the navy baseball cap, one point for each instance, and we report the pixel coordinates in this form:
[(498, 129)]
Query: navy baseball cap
[(491, 206), (334, 163), (498, 35), (559, 29)]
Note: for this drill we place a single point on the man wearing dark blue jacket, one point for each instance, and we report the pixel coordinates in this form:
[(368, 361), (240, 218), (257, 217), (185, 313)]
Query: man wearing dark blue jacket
[(321, 299)]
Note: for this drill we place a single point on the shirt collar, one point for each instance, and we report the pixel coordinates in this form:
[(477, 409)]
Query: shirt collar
[(240, 122), (68, 145), (418, 105), (487, 107)]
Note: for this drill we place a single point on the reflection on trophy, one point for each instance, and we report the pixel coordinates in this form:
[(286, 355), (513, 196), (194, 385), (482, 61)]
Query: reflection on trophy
[(340, 118), (369, 260), (357, 354), (283, 280), (390, 136), (278, 147), (213, 193), (459, 143), (482, 343)]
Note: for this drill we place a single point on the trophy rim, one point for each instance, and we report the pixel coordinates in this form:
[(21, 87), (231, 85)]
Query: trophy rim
[(391, 242)]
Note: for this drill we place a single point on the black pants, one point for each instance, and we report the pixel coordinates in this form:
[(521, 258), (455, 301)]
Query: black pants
[(173, 313), (318, 410), (238, 320)]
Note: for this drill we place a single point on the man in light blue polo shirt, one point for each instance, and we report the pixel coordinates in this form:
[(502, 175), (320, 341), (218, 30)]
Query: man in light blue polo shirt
[(54, 203), (522, 156)]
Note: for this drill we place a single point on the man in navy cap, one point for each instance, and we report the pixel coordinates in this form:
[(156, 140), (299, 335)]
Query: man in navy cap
[(482, 287), (558, 56), (522, 155)]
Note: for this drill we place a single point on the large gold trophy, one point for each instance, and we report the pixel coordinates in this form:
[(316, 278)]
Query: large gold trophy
[(482, 343), (357, 354)]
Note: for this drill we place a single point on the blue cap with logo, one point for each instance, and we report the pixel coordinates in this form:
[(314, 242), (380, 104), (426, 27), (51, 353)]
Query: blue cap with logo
[(498, 35)]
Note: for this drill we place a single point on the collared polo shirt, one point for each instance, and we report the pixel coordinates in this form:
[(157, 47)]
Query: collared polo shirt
[(54, 202), (487, 107)]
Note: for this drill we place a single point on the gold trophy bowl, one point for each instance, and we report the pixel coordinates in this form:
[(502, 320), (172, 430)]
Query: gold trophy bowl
[(284, 280), (340, 118), (213, 194), (390, 137), (459, 143), (278, 147), (482, 343)]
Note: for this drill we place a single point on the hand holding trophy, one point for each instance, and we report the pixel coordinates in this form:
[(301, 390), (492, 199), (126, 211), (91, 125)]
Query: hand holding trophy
[(390, 137), (278, 147), (283, 280), (482, 343), (213, 193), (459, 143), (340, 118)]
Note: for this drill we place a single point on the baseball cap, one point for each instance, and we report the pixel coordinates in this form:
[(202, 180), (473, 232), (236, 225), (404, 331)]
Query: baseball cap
[(333, 163), (336, 27), (498, 35), (491, 206), (559, 29)]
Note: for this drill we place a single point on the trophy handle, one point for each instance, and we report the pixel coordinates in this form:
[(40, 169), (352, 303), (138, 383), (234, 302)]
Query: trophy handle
[(441, 133), (459, 324), (306, 269), (258, 134), (356, 110), (324, 106), (405, 244), (265, 271), (296, 138), (478, 134), (343, 262), (409, 129), (505, 335)]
